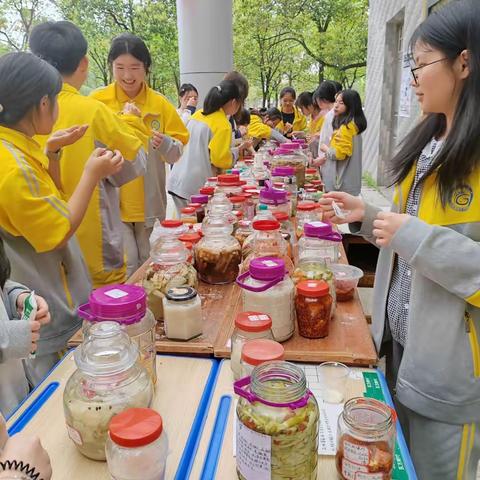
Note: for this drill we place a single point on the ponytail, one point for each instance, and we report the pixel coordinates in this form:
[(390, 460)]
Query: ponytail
[(219, 95)]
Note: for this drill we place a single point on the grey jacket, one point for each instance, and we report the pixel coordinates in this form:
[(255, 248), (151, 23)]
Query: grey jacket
[(439, 376), (15, 340)]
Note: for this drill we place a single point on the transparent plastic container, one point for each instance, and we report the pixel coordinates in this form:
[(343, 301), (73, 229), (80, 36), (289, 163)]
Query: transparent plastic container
[(277, 419), (286, 175), (276, 200), (243, 231), (170, 267), (319, 240), (108, 380), (267, 288), (287, 231), (229, 184), (365, 440), (248, 326), (201, 201), (126, 305), (311, 174), (284, 157), (306, 212), (137, 445), (346, 280), (238, 203), (220, 205), (257, 352), (167, 229), (188, 215), (218, 254)]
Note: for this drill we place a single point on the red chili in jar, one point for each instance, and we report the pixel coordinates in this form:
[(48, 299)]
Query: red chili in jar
[(313, 304)]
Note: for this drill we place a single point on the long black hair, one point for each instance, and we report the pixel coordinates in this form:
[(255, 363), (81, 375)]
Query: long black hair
[(4, 265), (219, 95), (135, 46), (354, 111), (326, 91), (451, 30), (185, 88), (24, 80), (305, 100), (273, 113)]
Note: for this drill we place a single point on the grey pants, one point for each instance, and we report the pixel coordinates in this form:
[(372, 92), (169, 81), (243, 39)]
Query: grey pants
[(439, 450), (137, 246)]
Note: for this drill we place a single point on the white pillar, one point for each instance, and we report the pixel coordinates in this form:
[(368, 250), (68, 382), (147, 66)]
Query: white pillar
[(205, 42)]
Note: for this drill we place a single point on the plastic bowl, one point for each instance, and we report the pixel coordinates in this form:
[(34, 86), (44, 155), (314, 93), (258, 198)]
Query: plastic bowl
[(346, 280)]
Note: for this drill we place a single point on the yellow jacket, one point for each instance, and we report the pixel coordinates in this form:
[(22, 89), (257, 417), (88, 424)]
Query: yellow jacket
[(258, 129), (314, 126), (144, 199), (99, 233), (342, 141), (299, 122)]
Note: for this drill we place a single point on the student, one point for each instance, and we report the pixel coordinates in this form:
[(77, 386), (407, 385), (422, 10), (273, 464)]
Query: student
[(259, 130), (163, 133), (342, 170), (188, 97), (273, 117), (324, 97), (292, 118), (312, 112), (63, 45), (209, 149), (36, 224), (426, 312), (243, 88), (18, 338)]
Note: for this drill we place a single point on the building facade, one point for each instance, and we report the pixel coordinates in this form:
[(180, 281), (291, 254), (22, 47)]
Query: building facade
[(390, 104)]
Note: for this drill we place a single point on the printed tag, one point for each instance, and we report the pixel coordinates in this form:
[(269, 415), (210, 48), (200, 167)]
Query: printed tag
[(356, 453), (116, 293)]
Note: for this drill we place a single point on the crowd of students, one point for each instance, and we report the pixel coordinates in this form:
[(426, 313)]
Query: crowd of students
[(83, 178)]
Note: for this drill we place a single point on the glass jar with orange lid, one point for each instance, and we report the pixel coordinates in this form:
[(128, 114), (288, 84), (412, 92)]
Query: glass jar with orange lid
[(257, 352)]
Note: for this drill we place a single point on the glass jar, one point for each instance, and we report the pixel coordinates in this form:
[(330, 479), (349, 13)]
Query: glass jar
[(365, 440), (169, 268), (238, 203), (167, 228), (209, 191), (243, 231), (137, 445), (126, 305), (201, 201), (211, 182), (248, 326), (319, 241), (313, 306), (267, 288), (275, 199), (284, 157), (255, 195), (220, 205), (318, 184), (229, 184), (287, 231), (268, 241), (108, 380), (249, 205), (188, 215), (277, 421), (256, 352), (182, 309), (311, 174), (305, 213), (218, 254)]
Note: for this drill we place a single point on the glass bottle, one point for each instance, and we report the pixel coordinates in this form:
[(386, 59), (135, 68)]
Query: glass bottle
[(319, 240)]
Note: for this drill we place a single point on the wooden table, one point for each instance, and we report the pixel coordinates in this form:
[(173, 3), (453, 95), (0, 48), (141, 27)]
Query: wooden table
[(182, 394), (215, 460)]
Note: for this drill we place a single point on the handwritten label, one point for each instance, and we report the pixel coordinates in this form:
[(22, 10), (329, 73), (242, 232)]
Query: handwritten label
[(356, 453), (350, 470)]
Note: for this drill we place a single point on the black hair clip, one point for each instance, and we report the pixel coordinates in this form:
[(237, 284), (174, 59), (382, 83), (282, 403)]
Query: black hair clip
[(20, 467)]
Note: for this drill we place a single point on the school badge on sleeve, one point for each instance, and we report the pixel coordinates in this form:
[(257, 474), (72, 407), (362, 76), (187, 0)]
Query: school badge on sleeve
[(461, 198)]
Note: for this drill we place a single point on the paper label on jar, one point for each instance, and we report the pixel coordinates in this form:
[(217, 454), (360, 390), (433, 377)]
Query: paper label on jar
[(258, 318), (74, 435), (358, 454), (369, 476), (351, 470), (116, 293), (254, 453)]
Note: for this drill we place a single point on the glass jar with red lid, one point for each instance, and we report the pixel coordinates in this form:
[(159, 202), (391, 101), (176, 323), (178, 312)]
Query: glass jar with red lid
[(313, 306), (230, 184), (257, 352), (209, 191), (238, 203), (167, 229), (248, 326), (188, 215)]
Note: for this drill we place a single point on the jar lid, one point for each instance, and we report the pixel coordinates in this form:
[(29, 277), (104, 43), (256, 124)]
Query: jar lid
[(253, 322), (299, 140), (238, 214), (229, 179), (311, 190), (180, 294), (208, 191), (256, 352), (262, 207), (212, 179), (273, 196), (265, 225), (285, 171), (125, 304), (237, 199), (267, 268), (200, 198), (306, 206), (106, 350), (135, 427), (317, 182), (311, 170), (247, 195), (308, 185), (190, 237), (188, 210), (280, 216), (313, 288), (195, 205), (321, 230), (171, 223)]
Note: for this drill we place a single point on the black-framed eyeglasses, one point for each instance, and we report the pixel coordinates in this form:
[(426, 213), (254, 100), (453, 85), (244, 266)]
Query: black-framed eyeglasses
[(413, 70)]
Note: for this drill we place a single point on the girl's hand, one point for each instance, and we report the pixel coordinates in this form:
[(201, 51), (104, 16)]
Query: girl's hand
[(157, 139), (243, 130), (43, 313), (324, 148), (131, 109), (192, 102), (63, 138), (34, 334), (103, 163), (352, 207), (319, 161), (386, 226), (288, 128)]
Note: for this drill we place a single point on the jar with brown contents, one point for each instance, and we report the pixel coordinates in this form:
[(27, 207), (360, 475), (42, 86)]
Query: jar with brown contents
[(218, 254), (313, 305)]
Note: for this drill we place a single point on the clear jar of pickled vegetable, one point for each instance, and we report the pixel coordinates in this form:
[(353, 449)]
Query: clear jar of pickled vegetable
[(365, 440), (277, 424)]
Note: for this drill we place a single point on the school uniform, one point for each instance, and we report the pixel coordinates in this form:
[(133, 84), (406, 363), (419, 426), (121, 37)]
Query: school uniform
[(34, 220), (315, 124), (144, 200), (260, 130), (207, 152), (299, 121), (100, 232)]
